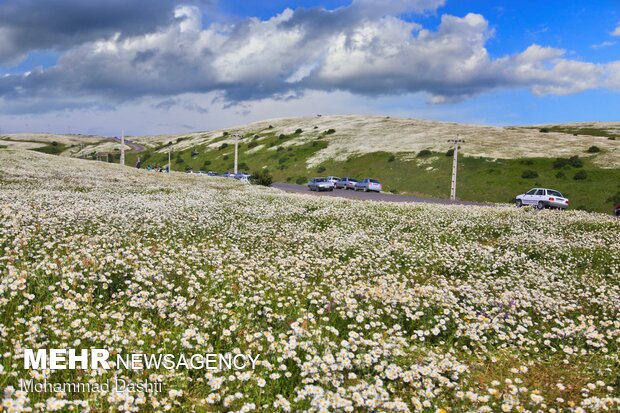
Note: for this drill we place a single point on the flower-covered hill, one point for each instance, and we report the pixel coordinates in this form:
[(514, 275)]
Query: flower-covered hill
[(352, 306)]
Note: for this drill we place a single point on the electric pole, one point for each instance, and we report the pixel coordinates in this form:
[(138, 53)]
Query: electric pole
[(454, 166), (169, 153), (236, 136), (122, 162)]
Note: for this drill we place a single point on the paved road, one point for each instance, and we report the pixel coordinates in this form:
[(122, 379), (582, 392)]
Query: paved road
[(372, 196), (134, 146)]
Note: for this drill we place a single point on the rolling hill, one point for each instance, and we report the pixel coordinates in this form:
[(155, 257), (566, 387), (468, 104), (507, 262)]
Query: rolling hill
[(407, 155)]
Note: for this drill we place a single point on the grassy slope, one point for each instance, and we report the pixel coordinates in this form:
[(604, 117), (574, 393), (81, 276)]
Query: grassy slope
[(480, 179)]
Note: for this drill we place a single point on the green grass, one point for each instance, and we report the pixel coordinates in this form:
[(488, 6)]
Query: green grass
[(479, 179)]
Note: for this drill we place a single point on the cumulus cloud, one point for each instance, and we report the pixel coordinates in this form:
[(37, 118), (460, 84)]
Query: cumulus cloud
[(354, 49), (27, 25), (616, 32)]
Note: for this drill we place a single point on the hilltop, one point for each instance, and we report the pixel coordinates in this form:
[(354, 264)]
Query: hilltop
[(407, 155)]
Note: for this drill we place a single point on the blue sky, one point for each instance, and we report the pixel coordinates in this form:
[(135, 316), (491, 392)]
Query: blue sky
[(163, 66)]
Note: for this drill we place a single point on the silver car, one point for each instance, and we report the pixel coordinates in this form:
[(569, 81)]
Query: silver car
[(542, 198), (368, 184), (320, 184), (346, 183)]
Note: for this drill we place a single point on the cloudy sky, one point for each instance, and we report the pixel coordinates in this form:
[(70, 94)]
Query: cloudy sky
[(162, 66)]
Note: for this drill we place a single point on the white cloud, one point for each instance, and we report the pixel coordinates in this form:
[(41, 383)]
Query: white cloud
[(616, 32), (350, 49)]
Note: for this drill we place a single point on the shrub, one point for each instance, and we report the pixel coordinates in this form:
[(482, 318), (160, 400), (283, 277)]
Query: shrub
[(424, 153), (560, 163), (612, 138), (615, 199), (593, 149), (223, 146), (529, 174), (544, 130), (225, 157), (560, 175), (527, 162), (282, 136), (301, 180), (330, 131), (54, 143), (280, 149), (262, 177), (321, 169), (270, 127), (575, 161), (243, 166), (298, 131), (391, 158), (225, 134), (252, 145), (450, 152), (194, 153), (580, 176), (282, 160), (207, 163), (169, 143)]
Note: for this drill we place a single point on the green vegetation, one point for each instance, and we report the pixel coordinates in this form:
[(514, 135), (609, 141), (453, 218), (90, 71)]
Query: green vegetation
[(261, 177)]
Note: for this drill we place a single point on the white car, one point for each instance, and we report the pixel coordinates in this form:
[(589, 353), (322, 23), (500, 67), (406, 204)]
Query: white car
[(333, 180), (542, 198), (320, 184)]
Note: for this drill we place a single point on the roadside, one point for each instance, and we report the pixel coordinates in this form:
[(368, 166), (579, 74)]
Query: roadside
[(372, 196)]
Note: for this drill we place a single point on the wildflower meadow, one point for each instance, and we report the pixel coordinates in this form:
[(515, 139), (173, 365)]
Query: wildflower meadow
[(353, 306)]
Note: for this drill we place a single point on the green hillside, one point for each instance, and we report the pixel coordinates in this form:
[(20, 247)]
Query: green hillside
[(408, 156)]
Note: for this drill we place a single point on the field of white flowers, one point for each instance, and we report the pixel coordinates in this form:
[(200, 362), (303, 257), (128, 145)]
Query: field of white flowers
[(353, 306)]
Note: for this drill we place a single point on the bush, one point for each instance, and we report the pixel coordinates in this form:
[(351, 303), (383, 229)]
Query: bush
[(225, 134), (527, 162), (270, 127), (330, 131), (580, 176), (544, 130), (262, 177), (321, 169), (391, 158), (612, 138), (225, 157), (560, 163), (301, 180), (207, 163), (223, 146), (593, 149), (615, 199), (280, 149), (575, 161), (194, 153), (282, 136), (450, 152), (243, 166), (560, 175), (252, 145), (54, 143), (298, 131), (529, 174), (282, 160), (424, 153)]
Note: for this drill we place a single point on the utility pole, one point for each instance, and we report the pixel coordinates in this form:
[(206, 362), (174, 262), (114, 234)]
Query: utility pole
[(236, 136), (122, 162), (169, 153), (454, 166)]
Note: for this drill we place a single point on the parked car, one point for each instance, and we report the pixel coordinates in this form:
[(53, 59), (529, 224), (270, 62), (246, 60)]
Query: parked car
[(320, 184), (618, 210), (333, 180), (243, 177), (542, 198), (368, 184), (211, 173), (346, 183)]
